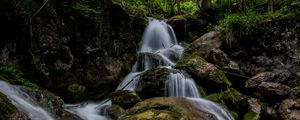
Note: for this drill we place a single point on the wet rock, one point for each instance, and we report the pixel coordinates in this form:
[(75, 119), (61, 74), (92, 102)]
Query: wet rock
[(124, 98), (8, 111), (233, 100), (207, 42), (50, 102), (166, 109), (115, 111), (152, 82), (203, 72)]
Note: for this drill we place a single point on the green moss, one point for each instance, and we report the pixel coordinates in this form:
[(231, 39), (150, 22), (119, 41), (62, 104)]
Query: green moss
[(201, 90), (6, 108), (14, 76), (249, 116), (234, 114), (115, 111), (124, 98)]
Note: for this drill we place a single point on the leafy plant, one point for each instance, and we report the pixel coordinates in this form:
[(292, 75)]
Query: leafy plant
[(14, 76)]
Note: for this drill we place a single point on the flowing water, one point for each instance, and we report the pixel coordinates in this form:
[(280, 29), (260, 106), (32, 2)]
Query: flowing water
[(159, 50), (23, 102)]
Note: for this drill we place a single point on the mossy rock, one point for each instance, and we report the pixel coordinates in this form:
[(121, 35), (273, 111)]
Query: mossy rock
[(115, 111), (166, 108), (205, 73), (8, 110), (124, 98), (231, 99)]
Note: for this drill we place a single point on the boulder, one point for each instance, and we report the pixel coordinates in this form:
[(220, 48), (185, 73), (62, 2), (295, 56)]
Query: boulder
[(207, 42), (231, 68), (50, 102), (233, 100), (166, 108), (289, 109), (203, 72), (115, 111), (270, 85), (125, 98), (254, 111), (152, 82)]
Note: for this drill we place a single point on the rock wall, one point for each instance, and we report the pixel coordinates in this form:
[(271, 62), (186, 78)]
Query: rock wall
[(77, 50)]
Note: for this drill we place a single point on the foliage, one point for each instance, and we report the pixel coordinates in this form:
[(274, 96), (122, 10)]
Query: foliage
[(248, 20), (86, 9), (14, 76), (189, 6)]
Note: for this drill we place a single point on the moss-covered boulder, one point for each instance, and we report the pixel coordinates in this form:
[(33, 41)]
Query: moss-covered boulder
[(8, 111), (124, 98), (204, 73), (115, 111), (169, 108), (233, 100), (152, 82)]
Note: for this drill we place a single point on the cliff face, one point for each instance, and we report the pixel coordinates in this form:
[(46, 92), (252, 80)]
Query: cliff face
[(78, 50)]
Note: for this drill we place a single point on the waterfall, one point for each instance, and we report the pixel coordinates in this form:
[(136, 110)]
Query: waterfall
[(159, 49), (178, 85), (23, 102)]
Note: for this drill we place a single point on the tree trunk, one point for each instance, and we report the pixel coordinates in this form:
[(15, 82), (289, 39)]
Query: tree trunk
[(270, 5), (242, 5)]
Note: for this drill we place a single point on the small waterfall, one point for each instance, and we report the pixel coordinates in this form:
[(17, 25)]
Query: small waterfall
[(178, 85), (159, 49), (23, 102)]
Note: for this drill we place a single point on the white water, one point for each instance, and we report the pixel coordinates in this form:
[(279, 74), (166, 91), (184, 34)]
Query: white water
[(23, 102), (179, 86), (159, 49)]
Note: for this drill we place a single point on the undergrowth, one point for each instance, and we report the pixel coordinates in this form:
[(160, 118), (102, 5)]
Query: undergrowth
[(14, 76)]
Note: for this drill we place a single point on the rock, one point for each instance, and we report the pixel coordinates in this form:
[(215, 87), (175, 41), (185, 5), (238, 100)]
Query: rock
[(71, 45), (152, 82), (167, 108), (232, 70), (203, 72), (115, 111), (233, 100), (207, 42), (187, 26), (8, 111), (289, 109), (255, 109), (126, 99), (263, 86), (221, 60), (50, 102), (271, 44)]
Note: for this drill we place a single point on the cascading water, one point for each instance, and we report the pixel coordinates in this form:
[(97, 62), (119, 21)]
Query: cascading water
[(159, 49), (23, 102)]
